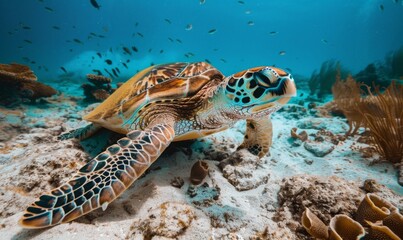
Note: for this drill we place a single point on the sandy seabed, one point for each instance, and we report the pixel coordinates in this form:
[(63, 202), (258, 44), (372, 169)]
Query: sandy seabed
[(242, 197)]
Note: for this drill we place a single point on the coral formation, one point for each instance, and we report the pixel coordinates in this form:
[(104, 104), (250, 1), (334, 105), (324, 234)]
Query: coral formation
[(19, 82), (198, 172), (321, 82), (374, 208), (99, 89), (382, 218), (313, 225), (381, 113), (342, 227), (396, 63), (380, 232)]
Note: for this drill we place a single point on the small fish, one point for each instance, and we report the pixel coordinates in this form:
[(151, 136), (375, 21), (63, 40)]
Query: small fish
[(272, 33), (99, 55), (101, 36), (110, 74), (49, 9), (63, 69), (114, 72), (381, 7), (77, 41), (324, 41), (251, 23), (302, 94), (108, 61), (162, 50), (167, 20), (117, 69), (33, 62), (135, 49), (97, 71), (141, 35), (128, 60), (188, 27), (241, 2), (223, 60), (149, 50), (26, 28), (170, 39), (212, 31), (95, 4), (27, 41), (110, 49), (202, 2), (208, 61), (56, 27), (127, 50), (178, 40), (93, 34), (282, 53), (124, 64)]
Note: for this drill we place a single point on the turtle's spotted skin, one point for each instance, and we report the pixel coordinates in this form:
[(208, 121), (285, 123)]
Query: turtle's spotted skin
[(161, 104)]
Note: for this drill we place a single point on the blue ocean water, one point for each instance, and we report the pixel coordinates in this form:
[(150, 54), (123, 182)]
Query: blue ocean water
[(232, 35)]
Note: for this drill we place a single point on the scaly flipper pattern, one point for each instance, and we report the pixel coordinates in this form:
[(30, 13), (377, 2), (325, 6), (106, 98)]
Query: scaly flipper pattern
[(258, 137), (81, 133), (101, 180)]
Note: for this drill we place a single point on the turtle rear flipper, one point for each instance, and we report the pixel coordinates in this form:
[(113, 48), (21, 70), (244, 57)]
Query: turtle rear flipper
[(80, 133), (102, 180)]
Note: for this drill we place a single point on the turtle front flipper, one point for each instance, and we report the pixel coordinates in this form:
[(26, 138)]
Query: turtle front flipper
[(101, 180), (259, 136), (80, 133)]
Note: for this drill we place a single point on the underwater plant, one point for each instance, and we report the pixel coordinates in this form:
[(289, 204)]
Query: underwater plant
[(381, 113), (397, 63), (321, 82), (346, 94), (19, 82)]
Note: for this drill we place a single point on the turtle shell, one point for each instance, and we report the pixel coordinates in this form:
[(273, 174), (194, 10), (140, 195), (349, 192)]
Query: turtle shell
[(153, 84)]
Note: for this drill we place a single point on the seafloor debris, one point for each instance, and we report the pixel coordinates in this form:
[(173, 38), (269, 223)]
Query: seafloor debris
[(239, 168), (303, 136), (19, 82), (99, 89), (177, 182), (198, 172), (167, 220)]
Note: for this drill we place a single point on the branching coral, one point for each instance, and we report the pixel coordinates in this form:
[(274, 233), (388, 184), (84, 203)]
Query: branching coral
[(381, 113), (322, 81), (18, 81), (99, 90), (346, 96)]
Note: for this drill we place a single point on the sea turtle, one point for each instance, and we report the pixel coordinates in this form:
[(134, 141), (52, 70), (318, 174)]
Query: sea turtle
[(161, 104)]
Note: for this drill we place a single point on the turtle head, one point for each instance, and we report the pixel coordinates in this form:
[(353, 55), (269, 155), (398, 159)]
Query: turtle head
[(259, 91)]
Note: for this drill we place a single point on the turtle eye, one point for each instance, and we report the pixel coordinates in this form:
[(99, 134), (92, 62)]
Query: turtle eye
[(265, 77)]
